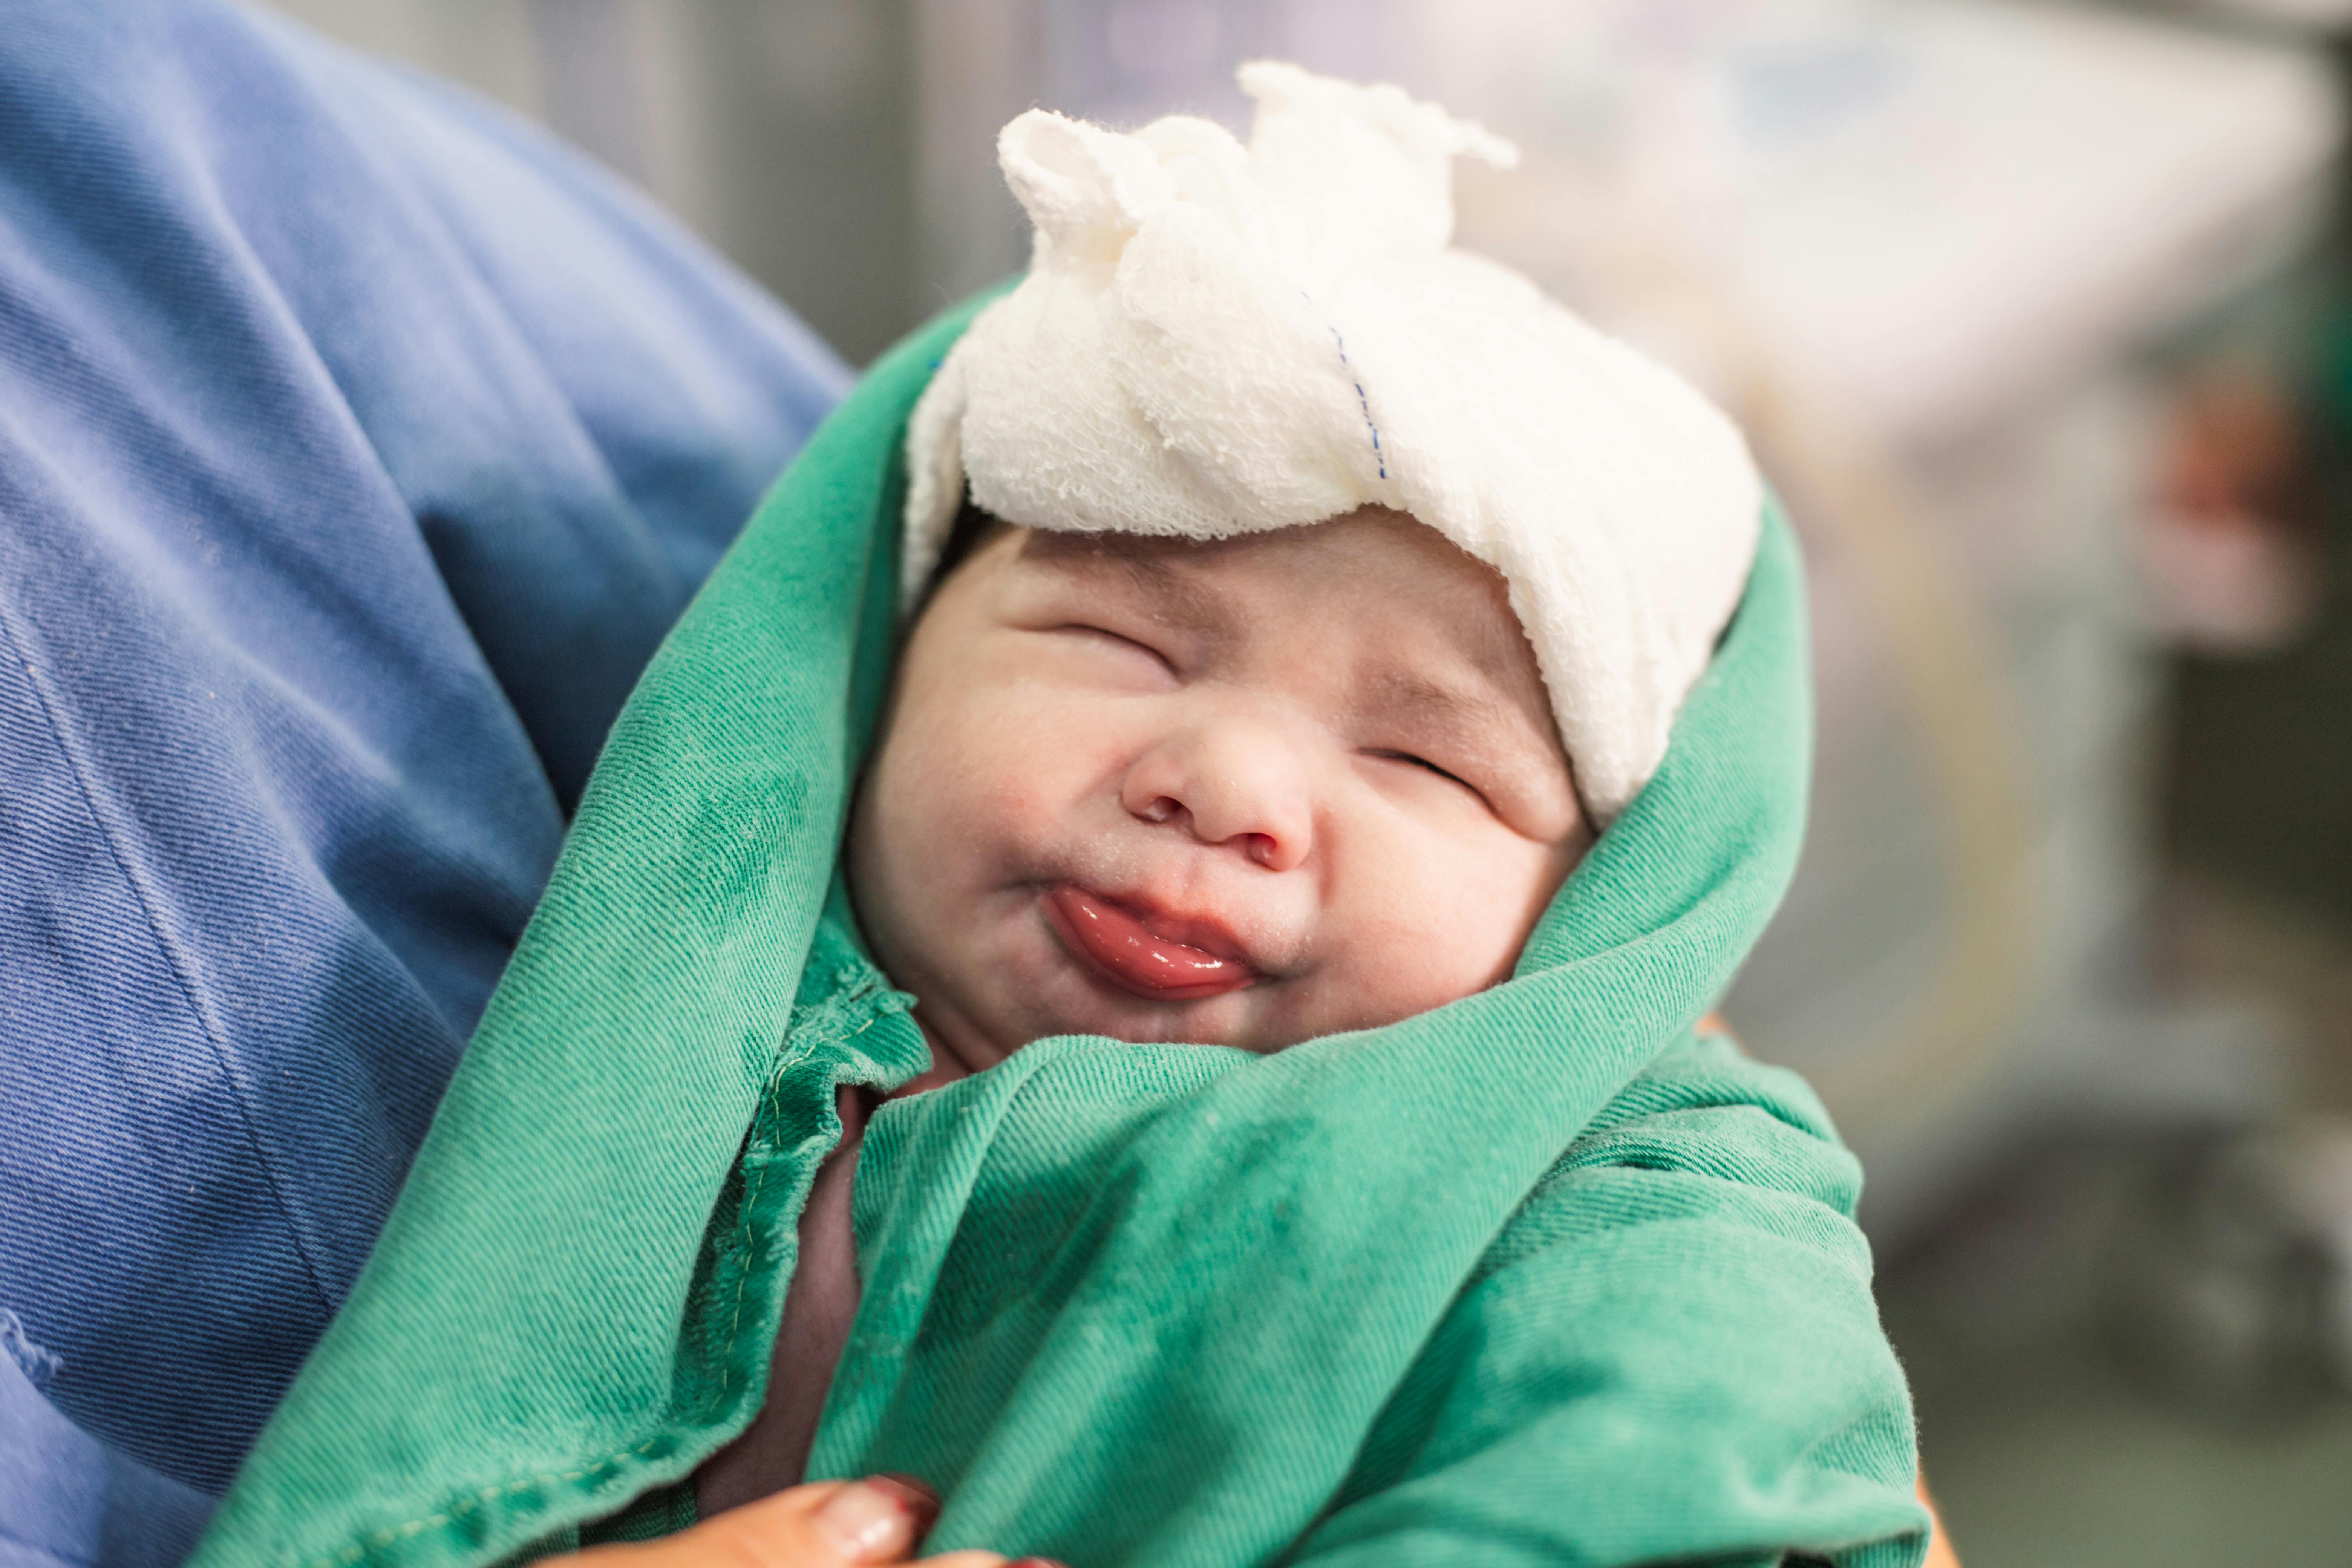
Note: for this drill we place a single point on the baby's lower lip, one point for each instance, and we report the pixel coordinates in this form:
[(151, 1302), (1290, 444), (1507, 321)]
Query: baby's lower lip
[(1116, 945)]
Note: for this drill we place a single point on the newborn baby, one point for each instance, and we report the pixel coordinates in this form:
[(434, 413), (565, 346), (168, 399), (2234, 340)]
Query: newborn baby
[(1235, 712), (1241, 793)]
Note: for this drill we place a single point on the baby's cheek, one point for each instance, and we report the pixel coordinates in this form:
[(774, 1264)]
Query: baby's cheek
[(1014, 769), (1452, 923)]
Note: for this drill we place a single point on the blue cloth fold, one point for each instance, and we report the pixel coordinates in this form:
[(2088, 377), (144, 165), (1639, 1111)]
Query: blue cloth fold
[(357, 446), (67, 1501)]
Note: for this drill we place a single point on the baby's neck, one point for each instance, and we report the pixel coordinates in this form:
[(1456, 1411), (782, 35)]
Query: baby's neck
[(946, 1066)]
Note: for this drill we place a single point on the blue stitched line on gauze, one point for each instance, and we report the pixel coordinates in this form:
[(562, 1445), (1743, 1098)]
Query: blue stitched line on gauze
[(1362, 402)]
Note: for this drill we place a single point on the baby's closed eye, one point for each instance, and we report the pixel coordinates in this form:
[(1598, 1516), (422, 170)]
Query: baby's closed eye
[(1410, 760), (1114, 642)]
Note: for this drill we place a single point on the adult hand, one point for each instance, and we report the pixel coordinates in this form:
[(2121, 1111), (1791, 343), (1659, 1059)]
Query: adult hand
[(829, 1524), (1940, 1544)]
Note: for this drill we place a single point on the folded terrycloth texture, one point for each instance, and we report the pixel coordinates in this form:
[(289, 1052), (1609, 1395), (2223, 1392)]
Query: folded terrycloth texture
[(1536, 1277), (1214, 340), (357, 446)]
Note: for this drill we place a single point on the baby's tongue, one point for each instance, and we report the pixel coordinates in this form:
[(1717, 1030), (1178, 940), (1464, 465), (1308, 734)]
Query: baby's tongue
[(1122, 948)]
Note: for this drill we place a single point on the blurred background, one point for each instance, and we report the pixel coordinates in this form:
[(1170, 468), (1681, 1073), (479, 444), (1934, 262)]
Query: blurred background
[(2041, 317)]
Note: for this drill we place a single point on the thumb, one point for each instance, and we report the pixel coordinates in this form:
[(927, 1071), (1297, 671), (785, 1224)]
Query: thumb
[(831, 1524)]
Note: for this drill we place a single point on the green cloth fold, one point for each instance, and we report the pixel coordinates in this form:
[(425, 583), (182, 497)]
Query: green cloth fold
[(1541, 1276)]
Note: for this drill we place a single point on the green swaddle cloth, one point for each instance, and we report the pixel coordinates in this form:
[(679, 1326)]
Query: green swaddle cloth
[(1537, 1278)]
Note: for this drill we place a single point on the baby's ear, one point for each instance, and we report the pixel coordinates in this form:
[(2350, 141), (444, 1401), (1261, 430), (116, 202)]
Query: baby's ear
[(1086, 188)]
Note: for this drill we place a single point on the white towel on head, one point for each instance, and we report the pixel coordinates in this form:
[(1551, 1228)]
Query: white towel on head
[(1216, 340)]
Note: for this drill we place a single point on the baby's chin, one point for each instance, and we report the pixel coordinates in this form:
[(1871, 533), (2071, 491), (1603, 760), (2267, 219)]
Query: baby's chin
[(1076, 1002), (1269, 1016)]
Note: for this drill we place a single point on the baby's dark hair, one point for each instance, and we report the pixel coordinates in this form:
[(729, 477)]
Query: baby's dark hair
[(972, 528)]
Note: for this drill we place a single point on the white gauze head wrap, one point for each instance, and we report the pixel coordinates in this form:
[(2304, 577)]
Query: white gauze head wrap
[(1215, 340)]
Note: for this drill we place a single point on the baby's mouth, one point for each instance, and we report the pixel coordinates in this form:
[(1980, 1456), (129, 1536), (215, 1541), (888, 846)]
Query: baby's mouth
[(1119, 945)]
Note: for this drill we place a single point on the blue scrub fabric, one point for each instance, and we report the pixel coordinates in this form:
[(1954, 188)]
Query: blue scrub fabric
[(357, 446), (66, 1498)]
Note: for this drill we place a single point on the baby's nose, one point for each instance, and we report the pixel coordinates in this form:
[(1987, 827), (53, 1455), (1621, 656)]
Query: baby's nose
[(1242, 786)]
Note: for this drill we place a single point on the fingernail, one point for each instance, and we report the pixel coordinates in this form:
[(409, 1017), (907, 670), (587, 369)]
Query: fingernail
[(1034, 1563), (922, 1502), (878, 1517)]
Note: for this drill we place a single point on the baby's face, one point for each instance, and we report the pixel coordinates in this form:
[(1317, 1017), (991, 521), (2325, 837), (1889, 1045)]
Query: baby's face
[(1244, 794)]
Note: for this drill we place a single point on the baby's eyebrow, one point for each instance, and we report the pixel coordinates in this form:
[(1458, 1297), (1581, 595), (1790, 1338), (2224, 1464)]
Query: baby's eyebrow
[(1174, 596), (1463, 709)]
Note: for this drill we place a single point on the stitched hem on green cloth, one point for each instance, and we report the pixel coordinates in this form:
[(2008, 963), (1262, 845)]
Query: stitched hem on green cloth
[(626, 1502)]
